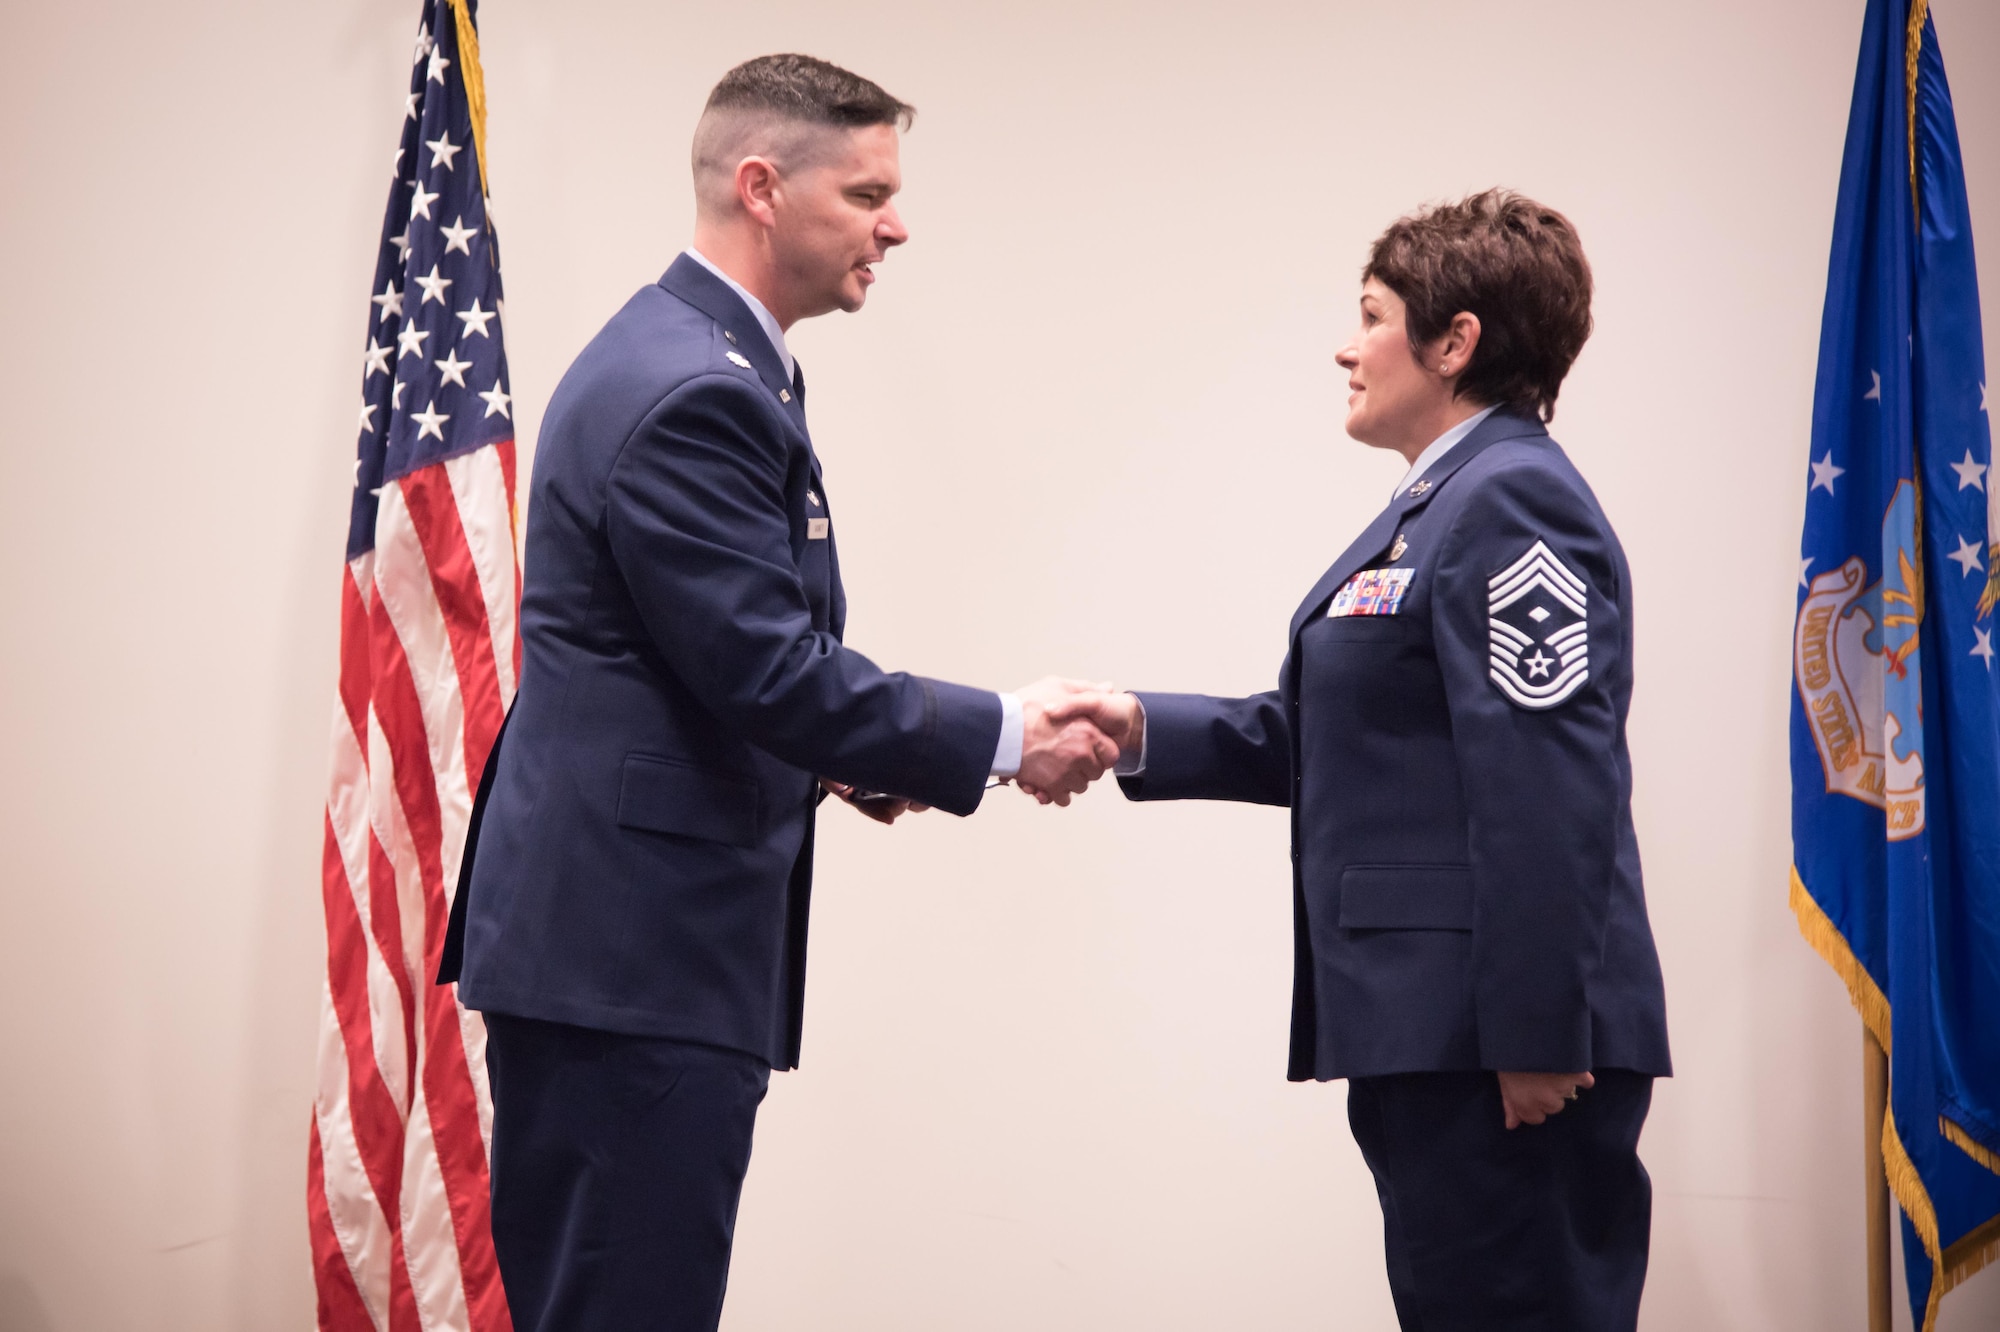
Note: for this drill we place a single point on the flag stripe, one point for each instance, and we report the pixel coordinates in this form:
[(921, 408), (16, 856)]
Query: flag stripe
[(357, 1221), (340, 1305), (354, 648), (479, 488), (432, 627), (427, 1230), (507, 470), (433, 515), (375, 1120), (452, 1114)]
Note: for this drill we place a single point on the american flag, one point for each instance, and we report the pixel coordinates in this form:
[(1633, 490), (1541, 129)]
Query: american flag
[(429, 654)]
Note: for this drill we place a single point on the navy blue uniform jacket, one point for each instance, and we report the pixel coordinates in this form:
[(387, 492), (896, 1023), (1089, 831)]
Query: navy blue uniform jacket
[(641, 856), (1465, 878)]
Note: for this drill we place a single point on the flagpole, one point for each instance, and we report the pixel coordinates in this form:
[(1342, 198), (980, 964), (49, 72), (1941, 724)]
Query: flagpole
[(1874, 1104)]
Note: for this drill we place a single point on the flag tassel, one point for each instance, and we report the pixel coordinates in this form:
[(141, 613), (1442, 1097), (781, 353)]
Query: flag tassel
[(1827, 940)]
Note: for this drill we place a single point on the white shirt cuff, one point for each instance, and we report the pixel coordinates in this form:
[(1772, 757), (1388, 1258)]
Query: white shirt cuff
[(1007, 754), (1133, 765)]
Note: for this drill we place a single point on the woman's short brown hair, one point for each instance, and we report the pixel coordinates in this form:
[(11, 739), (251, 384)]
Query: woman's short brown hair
[(1512, 262)]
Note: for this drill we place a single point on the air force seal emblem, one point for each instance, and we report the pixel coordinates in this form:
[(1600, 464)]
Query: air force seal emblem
[(1851, 657), (1538, 618)]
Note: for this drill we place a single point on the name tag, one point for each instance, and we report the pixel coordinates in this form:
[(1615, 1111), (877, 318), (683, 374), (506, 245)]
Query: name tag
[(816, 528), (1371, 592)]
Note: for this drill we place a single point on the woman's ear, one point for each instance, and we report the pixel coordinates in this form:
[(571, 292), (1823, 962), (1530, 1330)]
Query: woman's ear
[(1452, 353)]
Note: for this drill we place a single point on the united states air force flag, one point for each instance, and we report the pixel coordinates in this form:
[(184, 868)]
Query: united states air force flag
[(1896, 700)]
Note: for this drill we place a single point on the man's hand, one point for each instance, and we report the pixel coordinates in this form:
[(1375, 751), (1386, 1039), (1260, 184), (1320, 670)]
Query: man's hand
[(1532, 1097), (1061, 753), (1116, 713), (882, 809)]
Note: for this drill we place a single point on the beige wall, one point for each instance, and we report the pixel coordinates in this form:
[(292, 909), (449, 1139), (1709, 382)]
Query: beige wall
[(1089, 423)]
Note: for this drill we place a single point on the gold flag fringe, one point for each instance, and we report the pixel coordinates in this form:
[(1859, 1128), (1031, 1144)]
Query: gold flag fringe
[(1949, 1267), (475, 83), (1913, 47), (1827, 940), (1915, 1200), (1973, 1252), (1965, 1142)]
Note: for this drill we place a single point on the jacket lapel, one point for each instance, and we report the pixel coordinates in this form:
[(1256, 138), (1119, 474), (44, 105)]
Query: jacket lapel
[(709, 294), (1372, 539), (1502, 425)]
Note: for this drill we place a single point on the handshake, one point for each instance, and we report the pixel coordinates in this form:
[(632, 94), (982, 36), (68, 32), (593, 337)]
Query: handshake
[(1072, 733)]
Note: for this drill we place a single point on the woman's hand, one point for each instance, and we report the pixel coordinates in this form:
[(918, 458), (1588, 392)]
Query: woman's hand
[(1532, 1097)]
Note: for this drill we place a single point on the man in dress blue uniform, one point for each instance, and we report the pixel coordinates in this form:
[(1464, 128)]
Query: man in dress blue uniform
[(632, 920)]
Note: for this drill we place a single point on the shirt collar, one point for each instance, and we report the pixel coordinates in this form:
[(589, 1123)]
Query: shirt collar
[(1429, 457), (764, 319)]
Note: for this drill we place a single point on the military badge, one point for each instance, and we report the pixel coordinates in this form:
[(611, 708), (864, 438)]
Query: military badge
[(1538, 618), (1397, 547), (1371, 592)]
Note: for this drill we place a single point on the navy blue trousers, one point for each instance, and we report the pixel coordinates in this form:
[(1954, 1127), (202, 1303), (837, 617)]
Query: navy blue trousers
[(1545, 1227), (617, 1165)]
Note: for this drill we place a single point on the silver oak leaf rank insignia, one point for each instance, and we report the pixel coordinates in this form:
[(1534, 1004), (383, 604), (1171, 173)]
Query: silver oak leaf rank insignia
[(1538, 618)]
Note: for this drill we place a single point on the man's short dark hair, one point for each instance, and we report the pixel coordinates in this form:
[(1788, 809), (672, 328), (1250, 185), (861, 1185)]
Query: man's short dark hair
[(800, 87), (1515, 264)]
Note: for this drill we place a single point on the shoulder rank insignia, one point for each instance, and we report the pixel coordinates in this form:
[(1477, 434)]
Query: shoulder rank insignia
[(1419, 488), (1538, 617), (1371, 592), (738, 358)]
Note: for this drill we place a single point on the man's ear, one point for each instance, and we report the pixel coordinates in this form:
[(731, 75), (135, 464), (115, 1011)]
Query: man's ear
[(1452, 353), (757, 189)]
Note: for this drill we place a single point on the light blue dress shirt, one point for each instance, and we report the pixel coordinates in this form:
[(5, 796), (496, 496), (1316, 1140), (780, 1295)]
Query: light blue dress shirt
[(1439, 447)]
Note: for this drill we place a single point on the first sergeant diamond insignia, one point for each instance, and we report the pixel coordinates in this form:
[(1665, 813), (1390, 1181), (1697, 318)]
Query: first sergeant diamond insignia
[(1538, 618)]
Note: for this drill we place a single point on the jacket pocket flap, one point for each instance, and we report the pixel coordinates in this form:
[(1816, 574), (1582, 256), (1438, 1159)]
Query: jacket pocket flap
[(1406, 897), (663, 795)]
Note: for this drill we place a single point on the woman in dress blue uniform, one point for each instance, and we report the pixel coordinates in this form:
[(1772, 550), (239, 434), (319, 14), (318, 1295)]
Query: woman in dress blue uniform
[(1448, 729)]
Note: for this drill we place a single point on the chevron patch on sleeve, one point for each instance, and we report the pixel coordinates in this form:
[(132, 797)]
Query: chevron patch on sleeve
[(1538, 613)]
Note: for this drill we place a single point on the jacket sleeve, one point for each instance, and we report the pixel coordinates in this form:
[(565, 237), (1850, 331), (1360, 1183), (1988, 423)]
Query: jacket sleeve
[(1526, 609), (1202, 748), (697, 522)]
